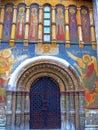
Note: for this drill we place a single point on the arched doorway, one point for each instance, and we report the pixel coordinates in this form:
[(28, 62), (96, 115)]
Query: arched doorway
[(45, 104), (59, 73)]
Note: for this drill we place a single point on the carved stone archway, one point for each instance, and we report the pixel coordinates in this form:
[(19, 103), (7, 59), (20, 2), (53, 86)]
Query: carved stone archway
[(72, 94)]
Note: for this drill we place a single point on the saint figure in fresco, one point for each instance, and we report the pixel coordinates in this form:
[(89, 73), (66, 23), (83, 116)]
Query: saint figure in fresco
[(7, 23), (33, 24), (60, 24), (85, 25), (20, 24), (73, 25), (87, 66)]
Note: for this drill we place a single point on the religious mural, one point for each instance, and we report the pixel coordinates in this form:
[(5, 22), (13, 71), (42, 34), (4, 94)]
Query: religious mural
[(2, 95), (85, 20), (7, 60), (83, 60), (8, 17), (60, 23), (33, 33), (6, 63), (73, 24), (20, 23), (88, 68), (46, 49)]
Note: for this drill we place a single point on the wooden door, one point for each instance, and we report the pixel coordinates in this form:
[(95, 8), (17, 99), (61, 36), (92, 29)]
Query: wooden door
[(45, 104)]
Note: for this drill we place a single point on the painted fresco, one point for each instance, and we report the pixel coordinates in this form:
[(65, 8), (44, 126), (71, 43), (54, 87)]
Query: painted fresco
[(60, 23), (2, 95), (8, 17), (33, 33), (46, 49), (7, 60), (87, 67), (6, 63), (73, 24), (85, 20), (83, 60), (20, 23)]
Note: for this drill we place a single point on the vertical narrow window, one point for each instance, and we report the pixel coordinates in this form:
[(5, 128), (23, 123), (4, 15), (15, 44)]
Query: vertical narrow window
[(33, 34), (47, 24), (85, 20), (20, 22), (60, 23), (73, 24), (8, 17)]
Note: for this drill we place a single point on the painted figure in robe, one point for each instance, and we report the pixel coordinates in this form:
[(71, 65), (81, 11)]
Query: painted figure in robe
[(7, 23), (20, 24), (33, 24), (60, 24), (73, 25), (85, 25), (88, 68)]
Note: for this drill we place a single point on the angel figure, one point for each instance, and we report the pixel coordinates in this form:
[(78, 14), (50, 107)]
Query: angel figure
[(7, 60), (87, 66)]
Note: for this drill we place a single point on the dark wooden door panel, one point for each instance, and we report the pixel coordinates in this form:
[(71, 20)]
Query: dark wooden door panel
[(45, 104)]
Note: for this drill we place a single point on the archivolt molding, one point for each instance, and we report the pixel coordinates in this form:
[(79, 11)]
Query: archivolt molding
[(57, 79), (62, 74), (45, 70)]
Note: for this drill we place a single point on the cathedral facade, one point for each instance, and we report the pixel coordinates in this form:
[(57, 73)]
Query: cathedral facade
[(48, 65)]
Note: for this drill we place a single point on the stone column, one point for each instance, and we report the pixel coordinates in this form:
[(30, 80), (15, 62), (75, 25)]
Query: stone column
[(13, 31), (67, 33), (72, 114), (26, 37), (26, 109), (81, 110), (22, 110), (13, 109), (18, 110), (63, 110), (77, 111), (81, 44), (93, 37), (1, 21), (8, 108), (53, 27), (40, 26)]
